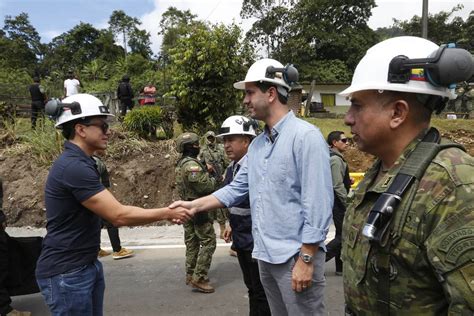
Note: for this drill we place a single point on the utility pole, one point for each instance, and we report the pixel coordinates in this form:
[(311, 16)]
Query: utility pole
[(424, 20)]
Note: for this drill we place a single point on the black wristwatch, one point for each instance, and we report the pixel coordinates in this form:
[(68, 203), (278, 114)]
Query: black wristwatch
[(306, 257)]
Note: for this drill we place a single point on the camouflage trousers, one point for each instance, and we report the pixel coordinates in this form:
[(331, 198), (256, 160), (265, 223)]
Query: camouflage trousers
[(200, 243), (221, 215)]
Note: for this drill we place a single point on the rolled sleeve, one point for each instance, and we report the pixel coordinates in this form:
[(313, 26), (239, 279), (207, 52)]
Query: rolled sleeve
[(316, 188)]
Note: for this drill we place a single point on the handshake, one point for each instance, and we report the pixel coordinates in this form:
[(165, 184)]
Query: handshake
[(179, 212)]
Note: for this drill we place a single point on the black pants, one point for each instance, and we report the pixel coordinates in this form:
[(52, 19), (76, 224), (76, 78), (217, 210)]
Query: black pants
[(4, 295), (257, 298), (113, 235), (124, 105), (334, 246), (37, 109)]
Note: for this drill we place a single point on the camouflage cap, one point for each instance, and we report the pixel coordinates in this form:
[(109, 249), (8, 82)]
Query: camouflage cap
[(186, 138), (210, 137)]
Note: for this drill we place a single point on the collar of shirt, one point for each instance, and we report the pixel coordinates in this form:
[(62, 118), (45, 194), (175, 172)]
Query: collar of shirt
[(272, 134), (76, 150)]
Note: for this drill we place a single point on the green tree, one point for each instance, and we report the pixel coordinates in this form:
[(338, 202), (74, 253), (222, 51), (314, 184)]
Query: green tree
[(204, 65), (126, 26), (19, 28), (314, 34), (442, 28), (173, 25)]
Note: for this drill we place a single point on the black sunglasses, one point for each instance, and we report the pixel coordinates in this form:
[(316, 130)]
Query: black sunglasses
[(344, 140), (103, 126)]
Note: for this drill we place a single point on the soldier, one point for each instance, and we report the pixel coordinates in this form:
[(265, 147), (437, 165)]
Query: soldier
[(408, 233), (193, 181), (125, 95), (213, 155)]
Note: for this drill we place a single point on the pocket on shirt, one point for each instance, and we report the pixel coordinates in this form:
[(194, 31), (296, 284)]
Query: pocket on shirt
[(278, 172)]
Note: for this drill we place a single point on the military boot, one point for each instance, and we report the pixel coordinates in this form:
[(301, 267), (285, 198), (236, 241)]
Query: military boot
[(203, 286), (222, 229)]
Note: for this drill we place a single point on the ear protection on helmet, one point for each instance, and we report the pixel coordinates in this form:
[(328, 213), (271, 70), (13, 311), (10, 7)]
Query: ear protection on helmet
[(448, 66), (55, 107), (250, 123), (289, 73)]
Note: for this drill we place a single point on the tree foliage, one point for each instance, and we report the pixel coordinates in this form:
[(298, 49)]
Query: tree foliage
[(443, 28), (204, 65), (173, 25), (313, 34)]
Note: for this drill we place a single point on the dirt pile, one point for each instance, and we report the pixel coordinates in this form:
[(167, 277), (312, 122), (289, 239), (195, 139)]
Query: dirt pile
[(140, 175)]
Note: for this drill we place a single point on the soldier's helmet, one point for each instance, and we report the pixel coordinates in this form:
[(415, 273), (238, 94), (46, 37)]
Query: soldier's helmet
[(210, 137), (186, 139)]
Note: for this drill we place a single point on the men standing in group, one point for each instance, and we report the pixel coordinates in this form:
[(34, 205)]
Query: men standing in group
[(287, 177), (408, 232), (341, 183), (193, 181), (238, 132), (212, 154), (69, 275), (125, 95), (38, 99), (71, 84)]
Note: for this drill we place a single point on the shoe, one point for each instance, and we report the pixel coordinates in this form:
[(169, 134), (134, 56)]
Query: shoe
[(232, 253), (18, 313), (203, 286), (189, 277), (103, 253), (123, 253)]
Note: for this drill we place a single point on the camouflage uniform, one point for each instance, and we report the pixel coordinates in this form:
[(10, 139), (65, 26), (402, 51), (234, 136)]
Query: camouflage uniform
[(214, 154), (193, 181), (429, 255)]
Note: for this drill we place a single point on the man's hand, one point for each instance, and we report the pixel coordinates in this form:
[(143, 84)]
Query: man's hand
[(302, 276), (228, 234), (180, 215)]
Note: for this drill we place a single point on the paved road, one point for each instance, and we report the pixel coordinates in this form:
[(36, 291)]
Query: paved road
[(152, 282)]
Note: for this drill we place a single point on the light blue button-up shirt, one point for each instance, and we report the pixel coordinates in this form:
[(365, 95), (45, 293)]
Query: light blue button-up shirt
[(290, 188)]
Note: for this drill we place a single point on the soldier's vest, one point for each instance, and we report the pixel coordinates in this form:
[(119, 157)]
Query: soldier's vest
[(371, 264), (185, 192)]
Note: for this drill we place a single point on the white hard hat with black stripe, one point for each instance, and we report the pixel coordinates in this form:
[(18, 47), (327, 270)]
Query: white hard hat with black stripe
[(238, 125)]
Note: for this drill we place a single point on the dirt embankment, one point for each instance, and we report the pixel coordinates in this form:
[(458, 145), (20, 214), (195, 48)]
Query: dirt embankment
[(141, 176)]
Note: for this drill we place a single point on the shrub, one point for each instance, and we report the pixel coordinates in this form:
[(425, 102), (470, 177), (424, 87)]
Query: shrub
[(144, 121)]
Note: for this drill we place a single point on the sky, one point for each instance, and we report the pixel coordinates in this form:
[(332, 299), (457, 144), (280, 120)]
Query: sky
[(52, 18)]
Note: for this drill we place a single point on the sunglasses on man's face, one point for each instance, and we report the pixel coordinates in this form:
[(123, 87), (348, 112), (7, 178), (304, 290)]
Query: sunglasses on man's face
[(103, 126), (344, 140)]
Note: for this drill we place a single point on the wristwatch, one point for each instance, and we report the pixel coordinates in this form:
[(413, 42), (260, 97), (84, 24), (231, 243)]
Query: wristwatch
[(306, 257)]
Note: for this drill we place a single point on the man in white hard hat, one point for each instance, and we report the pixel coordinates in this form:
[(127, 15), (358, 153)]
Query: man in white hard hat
[(408, 233), (288, 180), (69, 275), (238, 132)]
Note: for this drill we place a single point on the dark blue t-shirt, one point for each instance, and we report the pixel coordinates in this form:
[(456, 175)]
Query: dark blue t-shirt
[(73, 231)]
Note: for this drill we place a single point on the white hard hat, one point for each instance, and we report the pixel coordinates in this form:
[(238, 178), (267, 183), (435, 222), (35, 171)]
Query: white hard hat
[(372, 72), (82, 105), (237, 125), (258, 73)]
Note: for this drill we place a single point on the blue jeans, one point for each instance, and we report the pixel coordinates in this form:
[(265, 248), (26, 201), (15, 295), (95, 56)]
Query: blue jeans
[(79, 291)]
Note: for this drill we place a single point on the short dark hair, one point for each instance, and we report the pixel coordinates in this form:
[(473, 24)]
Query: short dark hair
[(68, 129), (264, 86), (36, 79), (334, 136)]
